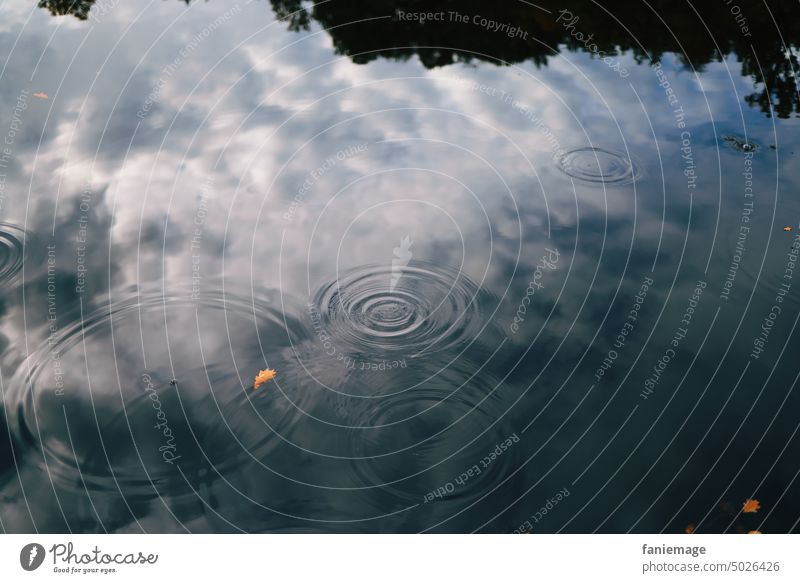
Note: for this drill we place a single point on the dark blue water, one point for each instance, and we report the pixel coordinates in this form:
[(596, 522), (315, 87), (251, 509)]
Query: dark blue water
[(517, 268)]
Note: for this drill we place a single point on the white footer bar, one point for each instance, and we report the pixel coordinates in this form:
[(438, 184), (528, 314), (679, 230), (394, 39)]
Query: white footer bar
[(406, 558)]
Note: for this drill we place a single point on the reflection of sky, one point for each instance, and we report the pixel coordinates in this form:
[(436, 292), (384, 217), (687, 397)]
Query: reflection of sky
[(246, 118), (235, 112), (246, 110), (254, 110)]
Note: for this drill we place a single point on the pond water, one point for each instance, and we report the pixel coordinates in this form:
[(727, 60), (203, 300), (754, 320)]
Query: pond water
[(517, 268)]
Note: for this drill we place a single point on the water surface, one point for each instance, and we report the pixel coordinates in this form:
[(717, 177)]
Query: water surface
[(518, 268)]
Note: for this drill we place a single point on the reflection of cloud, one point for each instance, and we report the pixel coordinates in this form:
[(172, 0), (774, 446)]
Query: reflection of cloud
[(244, 94), (230, 128)]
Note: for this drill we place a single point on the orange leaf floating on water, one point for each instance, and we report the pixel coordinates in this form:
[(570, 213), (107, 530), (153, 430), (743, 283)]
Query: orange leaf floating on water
[(787, 228), (264, 376), (41, 95), (689, 529), (751, 505), (755, 532)]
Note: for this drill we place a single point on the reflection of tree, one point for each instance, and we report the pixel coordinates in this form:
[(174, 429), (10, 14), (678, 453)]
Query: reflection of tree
[(368, 30), (292, 12), (699, 32), (779, 94), (78, 8)]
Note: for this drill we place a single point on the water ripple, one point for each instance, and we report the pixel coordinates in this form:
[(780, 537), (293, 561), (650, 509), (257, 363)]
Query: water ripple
[(12, 251), (419, 309), (598, 166), (150, 383), (428, 437)]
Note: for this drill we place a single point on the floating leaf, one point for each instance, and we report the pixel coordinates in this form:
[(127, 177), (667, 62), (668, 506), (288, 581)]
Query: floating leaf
[(751, 505), (689, 529), (264, 376), (41, 95)]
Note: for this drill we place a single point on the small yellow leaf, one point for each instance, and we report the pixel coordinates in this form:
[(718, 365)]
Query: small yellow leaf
[(264, 376)]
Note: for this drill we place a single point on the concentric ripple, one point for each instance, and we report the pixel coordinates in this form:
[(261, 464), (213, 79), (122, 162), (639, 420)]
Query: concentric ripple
[(150, 384), (598, 166), (412, 310), (426, 438), (12, 251)]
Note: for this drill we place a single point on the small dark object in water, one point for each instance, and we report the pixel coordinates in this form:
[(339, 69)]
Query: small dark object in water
[(740, 144)]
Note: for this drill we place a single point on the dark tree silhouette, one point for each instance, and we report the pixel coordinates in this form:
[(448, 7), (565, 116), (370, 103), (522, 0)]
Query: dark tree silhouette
[(699, 32), (291, 11), (78, 8)]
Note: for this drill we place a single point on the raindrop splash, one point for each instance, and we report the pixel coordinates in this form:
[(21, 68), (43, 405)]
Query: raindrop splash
[(429, 309), (598, 166)]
